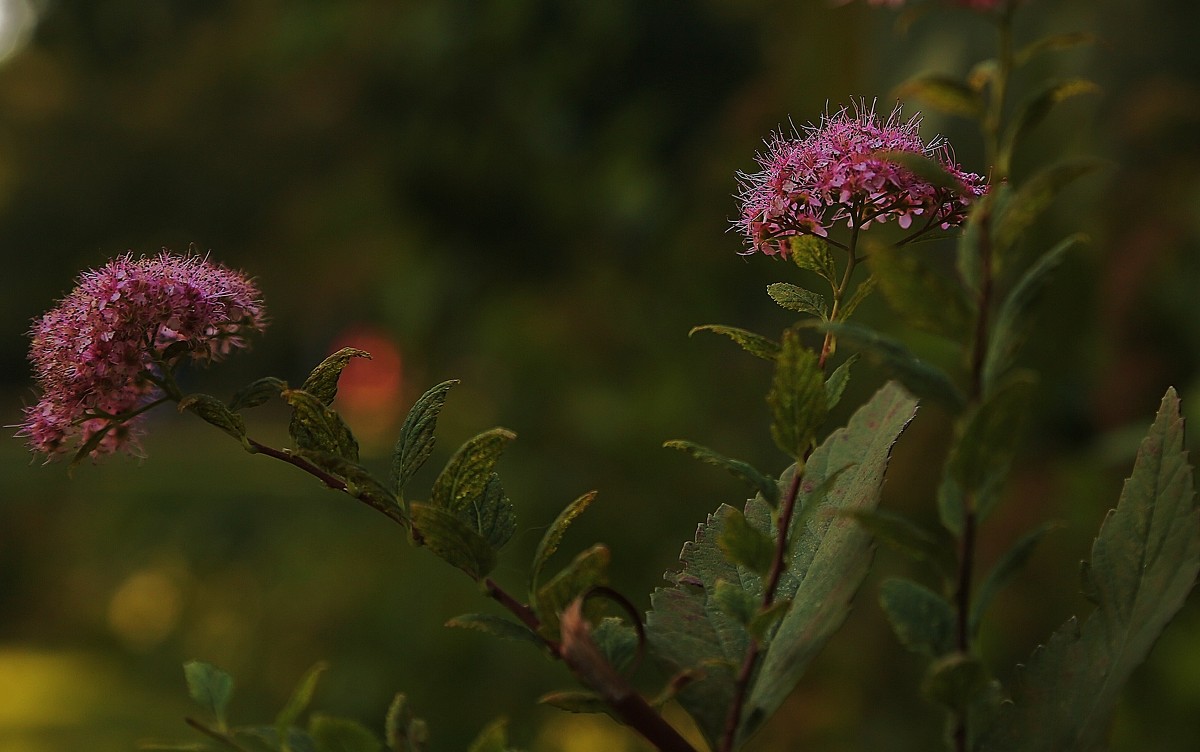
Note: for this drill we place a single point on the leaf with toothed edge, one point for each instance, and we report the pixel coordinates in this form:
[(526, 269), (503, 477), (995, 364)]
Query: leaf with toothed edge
[(553, 537), (417, 435), (323, 381), (755, 344)]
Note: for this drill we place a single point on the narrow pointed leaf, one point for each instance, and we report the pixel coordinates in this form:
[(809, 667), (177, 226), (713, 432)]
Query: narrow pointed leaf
[(298, 703), (923, 621), (497, 626), (797, 397), (403, 731), (417, 435), (1003, 571), (331, 734), (945, 94), (798, 299), (909, 538), (213, 411), (755, 344), (1039, 105), (861, 293), (1143, 565), (493, 738), (575, 701), (553, 536), (452, 540), (1034, 196), (257, 392), (1053, 43), (322, 382), (743, 471), (921, 378), (835, 385), (923, 298)]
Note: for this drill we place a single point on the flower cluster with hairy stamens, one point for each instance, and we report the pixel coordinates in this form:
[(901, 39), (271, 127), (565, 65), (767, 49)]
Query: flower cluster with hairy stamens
[(100, 354), (840, 172)]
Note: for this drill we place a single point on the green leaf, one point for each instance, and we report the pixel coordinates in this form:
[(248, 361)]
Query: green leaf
[(317, 427), (977, 228), (588, 569), (213, 411), (257, 392), (403, 731), (743, 471), (908, 538), (210, 688), (923, 621), (755, 344), (359, 481), (735, 602), (267, 739), (322, 383), (1008, 329), (945, 94), (688, 632), (1003, 571), (469, 471), (553, 536), (928, 169), (493, 738), (797, 397), (1024, 205), (452, 540), (617, 641), (1144, 563), (798, 299), (497, 626), (298, 702), (341, 735), (955, 682), (923, 298), (812, 253), (864, 289), (1052, 43), (417, 435), (982, 453), (492, 514), (1035, 109), (746, 545), (835, 385), (921, 378), (574, 701)]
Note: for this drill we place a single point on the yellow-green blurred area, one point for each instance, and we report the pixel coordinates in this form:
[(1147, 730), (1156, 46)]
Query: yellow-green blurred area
[(531, 196)]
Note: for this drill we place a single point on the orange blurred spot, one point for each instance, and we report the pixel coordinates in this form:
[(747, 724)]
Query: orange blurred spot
[(370, 391)]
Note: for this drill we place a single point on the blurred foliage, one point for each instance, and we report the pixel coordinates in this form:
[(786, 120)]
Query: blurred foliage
[(531, 196)]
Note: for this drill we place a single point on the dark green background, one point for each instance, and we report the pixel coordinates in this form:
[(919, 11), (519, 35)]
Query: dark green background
[(532, 196)]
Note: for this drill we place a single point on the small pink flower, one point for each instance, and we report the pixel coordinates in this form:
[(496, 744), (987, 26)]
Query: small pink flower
[(835, 173), (96, 354)]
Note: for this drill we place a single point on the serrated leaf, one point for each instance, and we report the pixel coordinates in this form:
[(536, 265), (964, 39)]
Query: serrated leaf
[(743, 471), (210, 688), (492, 514), (923, 621), (317, 427), (921, 378), (746, 545), (332, 734), (907, 537), (923, 298), (982, 452), (945, 94), (835, 385), (322, 383), (452, 540), (798, 299), (497, 626), (689, 633), (812, 253), (1003, 571), (299, 701), (214, 412), (553, 536), (1023, 205), (1008, 327), (1035, 109), (755, 344), (733, 600), (257, 392), (588, 569), (797, 397), (468, 473), (1143, 565), (417, 435)]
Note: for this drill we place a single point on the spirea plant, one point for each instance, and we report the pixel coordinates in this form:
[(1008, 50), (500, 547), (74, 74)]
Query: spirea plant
[(840, 204)]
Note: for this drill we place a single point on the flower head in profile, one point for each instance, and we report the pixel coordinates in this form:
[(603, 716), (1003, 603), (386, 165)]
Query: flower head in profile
[(101, 354), (843, 170)]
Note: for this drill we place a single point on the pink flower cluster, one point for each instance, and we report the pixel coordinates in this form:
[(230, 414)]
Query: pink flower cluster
[(837, 171), (97, 353)]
